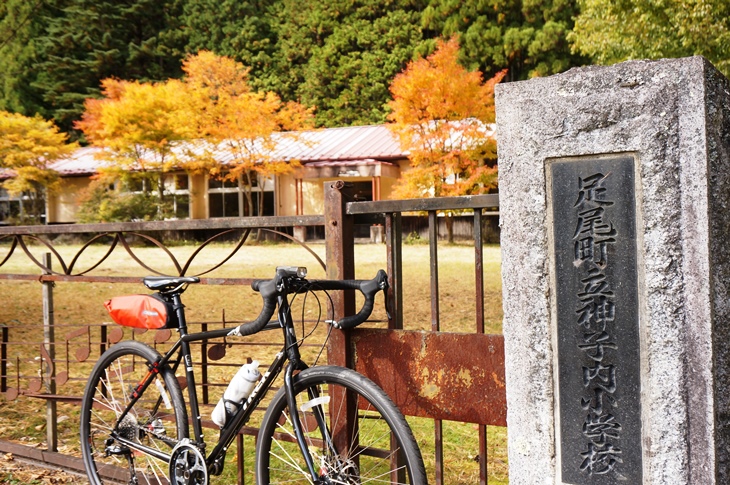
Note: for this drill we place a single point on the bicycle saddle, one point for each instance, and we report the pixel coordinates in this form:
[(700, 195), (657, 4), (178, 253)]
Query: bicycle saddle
[(167, 283)]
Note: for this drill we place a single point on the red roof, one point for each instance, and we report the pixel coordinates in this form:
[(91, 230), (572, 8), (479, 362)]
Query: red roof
[(364, 144), (348, 143)]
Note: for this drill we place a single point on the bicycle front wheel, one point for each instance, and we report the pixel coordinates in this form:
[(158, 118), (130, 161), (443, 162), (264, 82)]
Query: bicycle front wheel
[(353, 432), (119, 447)]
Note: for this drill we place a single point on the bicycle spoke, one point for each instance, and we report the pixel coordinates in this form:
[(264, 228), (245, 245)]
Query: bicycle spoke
[(365, 454), (117, 373)]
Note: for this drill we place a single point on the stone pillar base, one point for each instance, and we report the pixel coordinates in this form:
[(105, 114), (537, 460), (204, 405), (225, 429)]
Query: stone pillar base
[(615, 214)]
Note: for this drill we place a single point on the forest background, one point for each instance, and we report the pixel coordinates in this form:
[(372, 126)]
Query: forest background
[(338, 56)]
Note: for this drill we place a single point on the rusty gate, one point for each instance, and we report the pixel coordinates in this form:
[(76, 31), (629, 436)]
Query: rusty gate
[(432, 374)]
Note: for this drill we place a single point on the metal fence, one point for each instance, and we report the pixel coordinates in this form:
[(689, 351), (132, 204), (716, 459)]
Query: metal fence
[(401, 360)]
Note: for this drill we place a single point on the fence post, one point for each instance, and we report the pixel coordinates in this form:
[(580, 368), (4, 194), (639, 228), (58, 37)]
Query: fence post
[(394, 246), (479, 298), (50, 345), (4, 359), (340, 259)]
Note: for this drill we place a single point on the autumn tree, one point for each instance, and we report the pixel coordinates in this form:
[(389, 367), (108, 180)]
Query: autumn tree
[(339, 56), (244, 124), (27, 148), (442, 115), (614, 31), (139, 125)]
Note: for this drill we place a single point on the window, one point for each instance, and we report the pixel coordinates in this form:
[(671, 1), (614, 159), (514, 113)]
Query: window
[(363, 191), (10, 207), (179, 188), (223, 204), (224, 198), (227, 198), (135, 184)]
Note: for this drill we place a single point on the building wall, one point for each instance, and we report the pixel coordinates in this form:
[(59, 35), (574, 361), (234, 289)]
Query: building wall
[(288, 202), (313, 196), (63, 206), (286, 195), (386, 187), (198, 196)]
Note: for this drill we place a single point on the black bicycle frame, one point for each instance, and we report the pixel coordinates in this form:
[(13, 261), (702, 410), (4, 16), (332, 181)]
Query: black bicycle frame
[(290, 353)]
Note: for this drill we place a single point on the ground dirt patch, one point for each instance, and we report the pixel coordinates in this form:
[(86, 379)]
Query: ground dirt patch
[(14, 470)]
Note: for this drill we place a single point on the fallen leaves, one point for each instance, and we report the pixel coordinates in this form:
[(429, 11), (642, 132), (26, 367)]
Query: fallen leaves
[(17, 472)]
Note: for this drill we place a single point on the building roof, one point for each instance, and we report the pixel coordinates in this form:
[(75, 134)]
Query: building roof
[(352, 143), (347, 143), (84, 161)]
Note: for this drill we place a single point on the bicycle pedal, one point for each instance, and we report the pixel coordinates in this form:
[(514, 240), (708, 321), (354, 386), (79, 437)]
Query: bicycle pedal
[(116, 450)]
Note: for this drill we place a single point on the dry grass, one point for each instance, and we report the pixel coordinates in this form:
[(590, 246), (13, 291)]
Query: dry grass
[(80, 303)]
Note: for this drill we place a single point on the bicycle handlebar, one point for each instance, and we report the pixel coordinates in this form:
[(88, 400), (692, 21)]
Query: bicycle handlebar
[(288, 281)]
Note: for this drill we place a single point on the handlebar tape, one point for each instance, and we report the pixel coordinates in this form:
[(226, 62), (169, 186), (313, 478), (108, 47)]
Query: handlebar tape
[(369, 288), (269, 293)]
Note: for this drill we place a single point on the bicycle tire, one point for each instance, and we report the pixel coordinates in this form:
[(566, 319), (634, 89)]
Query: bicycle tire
[(154, 421), (367, 454)]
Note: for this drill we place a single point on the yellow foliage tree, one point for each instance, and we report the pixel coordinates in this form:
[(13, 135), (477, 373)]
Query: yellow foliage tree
[(187, 124), (27, 147), (246, 125), (442, 115), (140, 125)]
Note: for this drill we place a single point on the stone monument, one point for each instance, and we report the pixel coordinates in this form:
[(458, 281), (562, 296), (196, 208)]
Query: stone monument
[(615, 214)]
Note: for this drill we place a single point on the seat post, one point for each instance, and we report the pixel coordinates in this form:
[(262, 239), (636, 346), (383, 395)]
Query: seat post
[(179, 308)]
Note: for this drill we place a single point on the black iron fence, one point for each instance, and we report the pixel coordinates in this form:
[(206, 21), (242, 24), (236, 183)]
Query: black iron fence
[(433, 375)]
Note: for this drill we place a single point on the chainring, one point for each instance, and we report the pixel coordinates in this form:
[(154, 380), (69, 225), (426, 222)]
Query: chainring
[(187, 465)]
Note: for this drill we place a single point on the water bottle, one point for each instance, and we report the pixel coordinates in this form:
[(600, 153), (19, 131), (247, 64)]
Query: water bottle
[(240, 387)]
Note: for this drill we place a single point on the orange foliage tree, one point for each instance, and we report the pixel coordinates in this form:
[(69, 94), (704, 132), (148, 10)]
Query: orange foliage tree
[(191, 123), (442, 114), (140, 125), (246, 125)]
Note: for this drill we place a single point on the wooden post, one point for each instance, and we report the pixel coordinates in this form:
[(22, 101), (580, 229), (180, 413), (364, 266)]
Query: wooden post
[(50, 345), (340, 265), (340, 260), (394, 246)]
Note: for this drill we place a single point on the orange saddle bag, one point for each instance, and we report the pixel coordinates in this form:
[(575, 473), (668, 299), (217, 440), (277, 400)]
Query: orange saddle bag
[(142, 311)]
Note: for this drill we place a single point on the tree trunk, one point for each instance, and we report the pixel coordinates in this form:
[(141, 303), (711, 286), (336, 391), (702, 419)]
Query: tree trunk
[(450, 227), (37, 205), (160, 195)]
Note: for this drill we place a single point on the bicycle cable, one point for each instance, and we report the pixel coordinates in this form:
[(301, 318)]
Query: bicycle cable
[(317, 321)]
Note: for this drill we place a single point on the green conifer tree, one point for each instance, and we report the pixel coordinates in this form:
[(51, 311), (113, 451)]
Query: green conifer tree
[(528, 37), (74, 44), (340, 56), (239, 29)]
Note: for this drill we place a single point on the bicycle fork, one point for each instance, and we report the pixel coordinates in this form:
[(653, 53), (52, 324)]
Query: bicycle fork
[(295, 363), (319, 416)]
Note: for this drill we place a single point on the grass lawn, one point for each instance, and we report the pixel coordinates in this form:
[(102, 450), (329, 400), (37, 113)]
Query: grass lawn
[(78, 304)]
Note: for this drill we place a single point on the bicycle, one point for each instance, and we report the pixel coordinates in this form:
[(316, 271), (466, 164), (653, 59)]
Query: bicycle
[(325, 425)]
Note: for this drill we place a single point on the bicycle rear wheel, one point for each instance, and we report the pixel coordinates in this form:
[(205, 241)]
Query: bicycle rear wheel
[(157, 421), (374, 446)]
